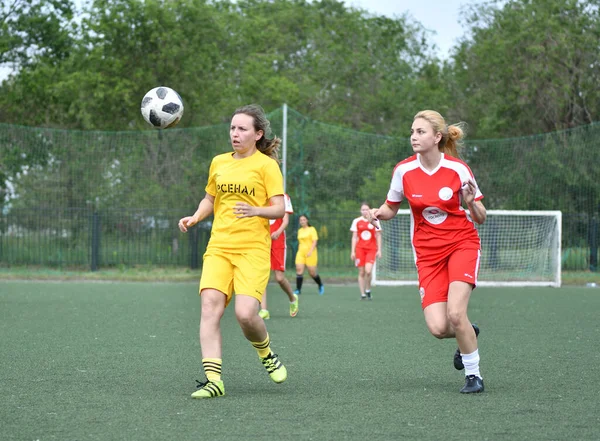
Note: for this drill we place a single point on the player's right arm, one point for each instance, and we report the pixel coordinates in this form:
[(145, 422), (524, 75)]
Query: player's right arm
[(284, 223), (354, 242), (395, 195), (205, 209), (386, 212)]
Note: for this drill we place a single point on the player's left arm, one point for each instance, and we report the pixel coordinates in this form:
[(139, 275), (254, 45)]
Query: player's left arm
[(476, 207), (315, 238), (274, 211), (312, 248), (273, 183), (477, 211)]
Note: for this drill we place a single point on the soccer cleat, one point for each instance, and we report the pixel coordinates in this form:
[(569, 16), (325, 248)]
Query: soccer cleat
[(363, 297), (368, 293), (297, 292), (274, 367), (209, 389), (473, 385), (321, 290), (264, 314), (458, 363), (294, 306)]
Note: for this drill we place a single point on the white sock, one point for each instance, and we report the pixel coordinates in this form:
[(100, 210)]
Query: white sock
[(471, 362)]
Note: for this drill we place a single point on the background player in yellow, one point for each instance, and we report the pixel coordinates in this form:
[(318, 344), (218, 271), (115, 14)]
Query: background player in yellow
[(244, 191), (307, 255), (278, 257)]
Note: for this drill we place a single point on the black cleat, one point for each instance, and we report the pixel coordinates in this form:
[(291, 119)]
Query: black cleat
[(458, 364), (473, 385), (368, 293)]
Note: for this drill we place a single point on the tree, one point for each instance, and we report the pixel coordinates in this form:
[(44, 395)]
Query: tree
[(34, 29), (322, 58), (529, 66)]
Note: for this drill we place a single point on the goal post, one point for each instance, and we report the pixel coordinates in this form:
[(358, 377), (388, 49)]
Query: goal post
[(518, 248)]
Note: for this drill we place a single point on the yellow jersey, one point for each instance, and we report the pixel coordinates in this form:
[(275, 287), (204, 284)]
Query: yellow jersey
[(253, 180), (306, 237)]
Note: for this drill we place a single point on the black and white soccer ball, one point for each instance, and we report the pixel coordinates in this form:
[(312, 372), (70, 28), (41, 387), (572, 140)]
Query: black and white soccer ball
[(162, 107)]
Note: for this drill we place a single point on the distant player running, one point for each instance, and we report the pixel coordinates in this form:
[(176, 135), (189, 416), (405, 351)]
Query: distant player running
[(445, 241), (365, 249), (278, 257), (244, 190)]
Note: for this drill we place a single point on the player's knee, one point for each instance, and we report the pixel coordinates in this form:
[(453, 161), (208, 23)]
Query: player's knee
[(211, 313), (212, 308), (438, 330), (457, 319), (438, 333), (244, 317)]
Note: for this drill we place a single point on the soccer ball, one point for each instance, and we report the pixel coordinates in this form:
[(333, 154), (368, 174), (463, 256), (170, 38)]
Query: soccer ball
[(162, 107)]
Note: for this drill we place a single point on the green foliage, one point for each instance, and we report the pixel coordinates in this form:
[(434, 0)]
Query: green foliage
[(524, 67), (333, 62), (33, 30), (529, 67)]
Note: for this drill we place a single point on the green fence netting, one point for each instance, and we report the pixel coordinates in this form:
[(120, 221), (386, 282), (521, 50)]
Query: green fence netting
[(96, 199)]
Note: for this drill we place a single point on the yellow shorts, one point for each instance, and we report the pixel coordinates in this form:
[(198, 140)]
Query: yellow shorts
[(311, 260), (246, 273)]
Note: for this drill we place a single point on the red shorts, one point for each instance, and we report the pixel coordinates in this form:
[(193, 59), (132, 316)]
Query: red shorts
[(278, 259), (364, 256), (461, 265)]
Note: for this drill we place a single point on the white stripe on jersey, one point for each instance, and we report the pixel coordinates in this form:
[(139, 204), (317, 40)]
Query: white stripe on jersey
[(462, 171), (396, 192)]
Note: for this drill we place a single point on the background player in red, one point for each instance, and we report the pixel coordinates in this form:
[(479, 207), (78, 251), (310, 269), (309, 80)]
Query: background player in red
[(278, 255), (445, 241), (366, 247)]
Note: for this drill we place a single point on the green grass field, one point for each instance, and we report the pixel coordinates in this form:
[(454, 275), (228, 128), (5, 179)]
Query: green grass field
[(117, 361)]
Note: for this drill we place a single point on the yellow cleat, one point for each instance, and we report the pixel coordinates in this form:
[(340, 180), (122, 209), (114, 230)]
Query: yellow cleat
[(275, 368), (209, 389), (294, 306)]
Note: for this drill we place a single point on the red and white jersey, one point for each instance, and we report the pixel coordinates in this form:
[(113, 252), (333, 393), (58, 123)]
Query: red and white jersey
[(276, 223), (438, 221), (365, 231)]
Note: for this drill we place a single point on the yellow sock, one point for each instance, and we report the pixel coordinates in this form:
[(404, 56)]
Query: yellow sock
[(212, 368), (263, 348)]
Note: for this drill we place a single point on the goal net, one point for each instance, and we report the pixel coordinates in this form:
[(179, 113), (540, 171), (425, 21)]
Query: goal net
[(518, 248)]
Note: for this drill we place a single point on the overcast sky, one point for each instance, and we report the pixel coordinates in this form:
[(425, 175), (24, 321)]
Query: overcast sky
[(441, 16)]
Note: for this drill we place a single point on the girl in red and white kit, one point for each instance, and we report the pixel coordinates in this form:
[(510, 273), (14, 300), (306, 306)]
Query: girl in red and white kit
[(437, 185), (365, 249)]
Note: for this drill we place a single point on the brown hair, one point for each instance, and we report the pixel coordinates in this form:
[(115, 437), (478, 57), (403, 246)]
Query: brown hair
[(306, 217), (452, 135), (268, 146)]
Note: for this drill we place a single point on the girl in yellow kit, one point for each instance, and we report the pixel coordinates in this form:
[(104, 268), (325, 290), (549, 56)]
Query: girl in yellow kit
[(244, 191), (307, 255)]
